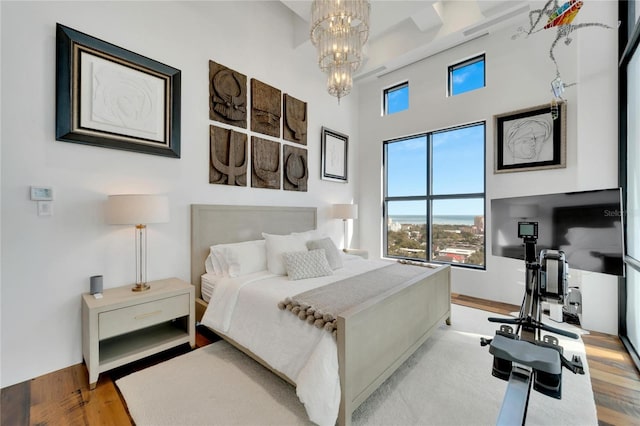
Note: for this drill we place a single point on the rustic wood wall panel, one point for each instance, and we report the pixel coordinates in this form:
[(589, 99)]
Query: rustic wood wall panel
[(227, 95), (266, 108), (296, 172), (265, 163), (228, 157), (295, 120)]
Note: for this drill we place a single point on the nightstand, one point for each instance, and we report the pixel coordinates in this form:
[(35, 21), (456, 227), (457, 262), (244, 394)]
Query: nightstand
[(124, 326), (358, 252)]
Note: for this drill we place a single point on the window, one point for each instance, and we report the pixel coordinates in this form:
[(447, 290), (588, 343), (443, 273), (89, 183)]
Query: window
[(434, 196), (466, 76), (629, 133), (396, 98)]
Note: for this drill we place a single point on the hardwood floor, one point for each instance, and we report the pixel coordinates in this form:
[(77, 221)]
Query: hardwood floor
[(63, 397)]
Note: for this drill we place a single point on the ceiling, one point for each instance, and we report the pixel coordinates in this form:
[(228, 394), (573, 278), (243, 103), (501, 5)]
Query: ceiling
[(403, 32)]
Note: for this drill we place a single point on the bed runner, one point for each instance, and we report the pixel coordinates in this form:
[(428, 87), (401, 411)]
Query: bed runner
[(321, 306)]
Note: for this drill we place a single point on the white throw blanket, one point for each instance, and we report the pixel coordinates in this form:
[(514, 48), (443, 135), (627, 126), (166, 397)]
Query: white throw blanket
[(245, 309), (321, 306)]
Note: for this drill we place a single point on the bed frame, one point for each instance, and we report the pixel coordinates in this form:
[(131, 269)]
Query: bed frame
[(374, 338)]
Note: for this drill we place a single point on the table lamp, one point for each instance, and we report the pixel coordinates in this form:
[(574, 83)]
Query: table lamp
[(138, 210), (345, 212)]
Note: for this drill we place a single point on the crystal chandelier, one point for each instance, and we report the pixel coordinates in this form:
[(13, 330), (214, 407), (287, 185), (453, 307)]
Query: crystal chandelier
[(339, 30)]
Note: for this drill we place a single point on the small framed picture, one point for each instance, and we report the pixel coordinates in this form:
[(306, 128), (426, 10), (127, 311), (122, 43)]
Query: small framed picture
[(531, 139), (335, 148)]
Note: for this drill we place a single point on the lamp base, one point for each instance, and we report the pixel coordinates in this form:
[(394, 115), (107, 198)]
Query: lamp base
[(141, 287), (345, 226)]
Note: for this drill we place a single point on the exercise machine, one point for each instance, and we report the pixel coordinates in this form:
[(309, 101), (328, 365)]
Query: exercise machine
[(522, 356)]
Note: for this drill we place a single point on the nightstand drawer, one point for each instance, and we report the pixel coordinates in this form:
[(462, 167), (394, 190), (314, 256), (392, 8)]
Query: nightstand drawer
[(124, 320)]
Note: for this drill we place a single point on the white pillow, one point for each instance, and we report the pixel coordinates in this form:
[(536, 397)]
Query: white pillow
[(313, 234), (306, 264), (278, 244), (330, 250), (243, 258), (214, 263), (208, 264)]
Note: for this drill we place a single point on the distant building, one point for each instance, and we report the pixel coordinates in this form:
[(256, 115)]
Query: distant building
[(478, 224), (394, 226), (413, 251), (455, 254)]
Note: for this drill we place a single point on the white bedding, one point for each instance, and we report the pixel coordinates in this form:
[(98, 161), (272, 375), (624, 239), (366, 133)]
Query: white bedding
[(207, 284), (245, 309)]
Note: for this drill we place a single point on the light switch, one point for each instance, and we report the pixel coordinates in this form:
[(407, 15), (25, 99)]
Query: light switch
[(45, 208)]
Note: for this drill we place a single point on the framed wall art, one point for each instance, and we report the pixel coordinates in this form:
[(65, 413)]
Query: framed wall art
[(531, 139), (295, 171), (228, 157), (265, 163), (335, 148), (111, 97), (227, 95), (266, 108), (295, 120)]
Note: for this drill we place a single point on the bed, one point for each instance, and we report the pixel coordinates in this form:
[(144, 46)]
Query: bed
[(373, 339)]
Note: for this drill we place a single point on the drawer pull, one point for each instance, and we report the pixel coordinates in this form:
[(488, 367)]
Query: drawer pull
[(147, 315)]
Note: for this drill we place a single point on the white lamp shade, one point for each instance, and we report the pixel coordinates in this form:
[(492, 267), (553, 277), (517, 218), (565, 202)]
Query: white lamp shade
[(137, 209), (345, 211), (523, 210)]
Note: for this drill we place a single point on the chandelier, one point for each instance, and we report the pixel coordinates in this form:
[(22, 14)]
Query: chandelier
[(339, 30)]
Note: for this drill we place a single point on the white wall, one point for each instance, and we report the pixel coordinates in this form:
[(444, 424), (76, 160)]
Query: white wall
[(518, 75), (47, 261)]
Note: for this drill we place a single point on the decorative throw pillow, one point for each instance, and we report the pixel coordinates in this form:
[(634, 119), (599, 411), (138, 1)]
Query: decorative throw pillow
[(278, 244), (306, 264), (330, 250)]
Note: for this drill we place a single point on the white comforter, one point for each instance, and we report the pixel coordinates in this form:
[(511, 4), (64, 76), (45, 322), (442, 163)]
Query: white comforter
[(245, 309)]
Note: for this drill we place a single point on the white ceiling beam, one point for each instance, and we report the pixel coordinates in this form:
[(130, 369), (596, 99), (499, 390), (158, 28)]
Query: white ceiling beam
[(456, 15)]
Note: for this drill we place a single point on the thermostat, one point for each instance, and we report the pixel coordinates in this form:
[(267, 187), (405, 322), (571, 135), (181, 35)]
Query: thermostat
[(41, 193)]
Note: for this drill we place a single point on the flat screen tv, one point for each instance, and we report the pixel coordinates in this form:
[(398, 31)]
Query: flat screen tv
[(587, 226)]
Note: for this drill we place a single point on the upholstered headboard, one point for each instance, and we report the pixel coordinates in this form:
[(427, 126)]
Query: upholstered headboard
[(221, 224)]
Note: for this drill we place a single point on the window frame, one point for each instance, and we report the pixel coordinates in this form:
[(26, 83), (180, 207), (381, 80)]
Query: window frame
[(385, 93), (429, 197), (451, 68), (628, 46)]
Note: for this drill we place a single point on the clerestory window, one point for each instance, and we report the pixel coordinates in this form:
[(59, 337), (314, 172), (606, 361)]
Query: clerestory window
[(396, 98), (467, 76)]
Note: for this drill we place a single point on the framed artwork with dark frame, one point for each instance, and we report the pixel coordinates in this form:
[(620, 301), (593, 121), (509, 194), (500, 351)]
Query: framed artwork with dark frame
[(531, 139), (111, 97), (335, 149)]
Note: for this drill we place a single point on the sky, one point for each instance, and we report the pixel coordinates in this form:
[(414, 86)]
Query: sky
[(468, 78), (458, 158)]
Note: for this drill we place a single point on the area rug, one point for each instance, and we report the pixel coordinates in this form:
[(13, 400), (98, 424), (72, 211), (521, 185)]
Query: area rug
[(446, 382)]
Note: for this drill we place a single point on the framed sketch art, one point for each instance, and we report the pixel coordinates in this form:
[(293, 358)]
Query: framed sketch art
[(531, 139), (335, 147), (110, 97)]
